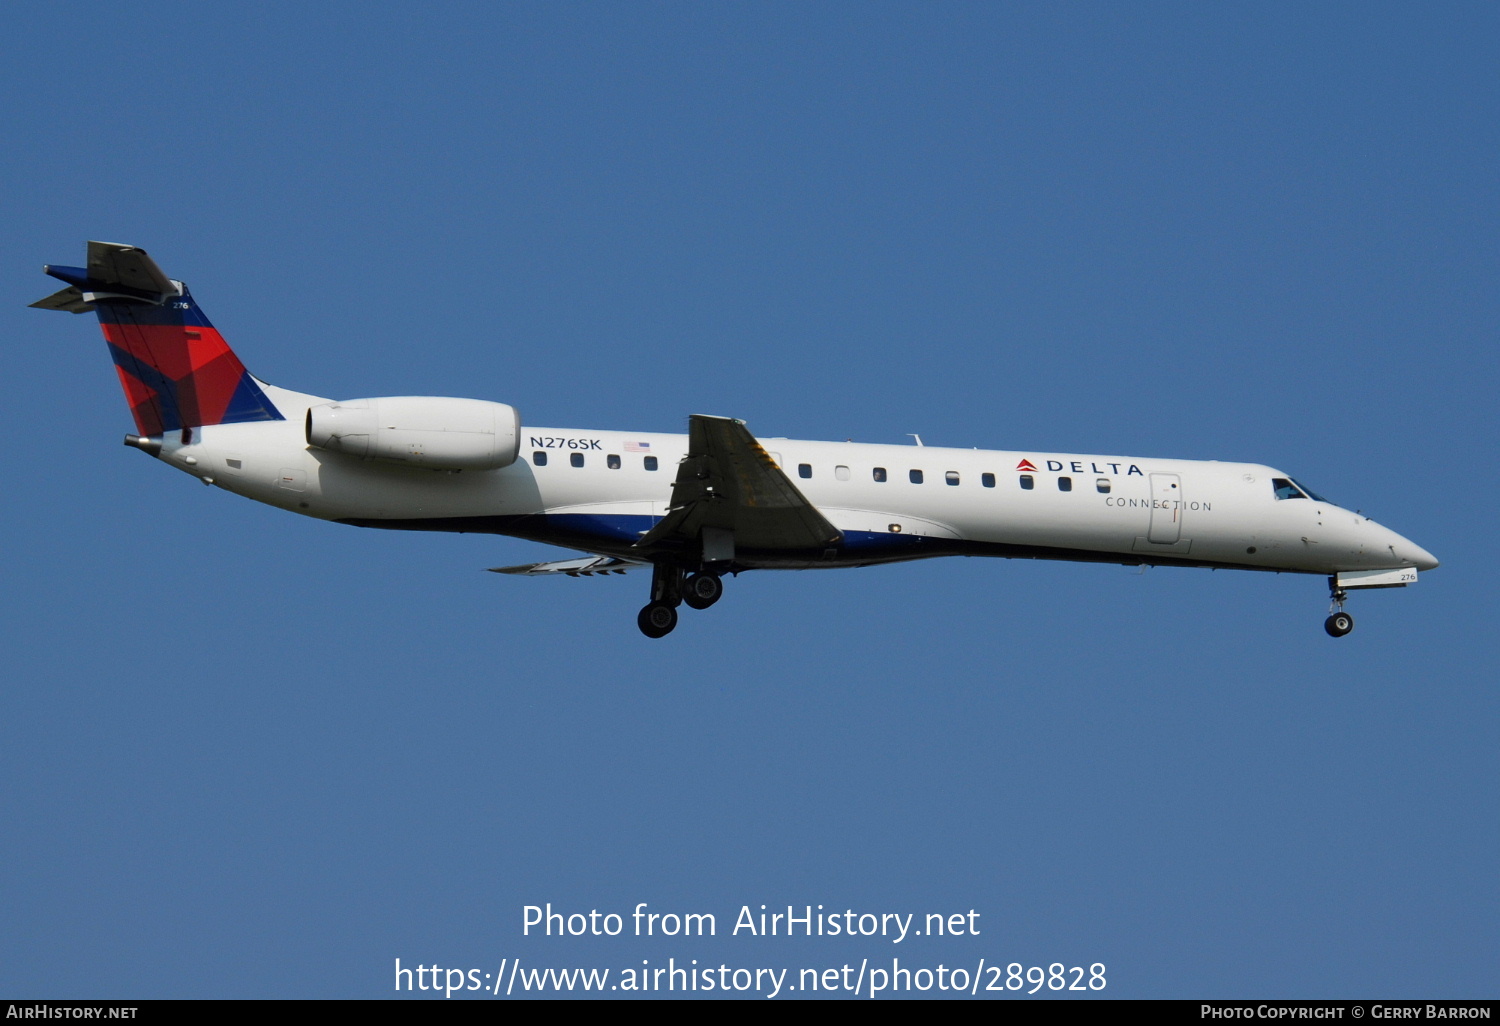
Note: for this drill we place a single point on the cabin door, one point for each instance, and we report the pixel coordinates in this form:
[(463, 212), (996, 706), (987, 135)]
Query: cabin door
[(1166, 508)]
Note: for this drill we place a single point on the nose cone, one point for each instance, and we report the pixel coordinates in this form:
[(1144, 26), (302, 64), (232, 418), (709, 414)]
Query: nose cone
[(1408, 551), (1423, 559)]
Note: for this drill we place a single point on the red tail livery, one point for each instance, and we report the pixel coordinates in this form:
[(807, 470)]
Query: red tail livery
[(175, 367)]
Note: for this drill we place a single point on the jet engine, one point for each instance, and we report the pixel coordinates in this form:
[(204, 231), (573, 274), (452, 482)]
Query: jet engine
[(419, 431)]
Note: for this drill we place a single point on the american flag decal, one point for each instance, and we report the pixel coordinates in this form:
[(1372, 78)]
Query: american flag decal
[(637, 446)]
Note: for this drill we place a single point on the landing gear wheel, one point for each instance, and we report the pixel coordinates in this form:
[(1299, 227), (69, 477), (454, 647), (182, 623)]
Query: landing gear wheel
[(657, 620), (1338, 625), (702, 590)]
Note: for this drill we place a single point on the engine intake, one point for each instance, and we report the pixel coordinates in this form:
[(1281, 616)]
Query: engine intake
[(419, 431)]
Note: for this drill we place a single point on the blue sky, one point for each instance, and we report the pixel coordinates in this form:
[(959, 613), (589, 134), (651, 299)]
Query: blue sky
[(250, 755)]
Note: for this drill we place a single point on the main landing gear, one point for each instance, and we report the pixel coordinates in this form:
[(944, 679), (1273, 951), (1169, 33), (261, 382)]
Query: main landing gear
[(702, 590), (1339, 622), (669, 589), (657, 620)]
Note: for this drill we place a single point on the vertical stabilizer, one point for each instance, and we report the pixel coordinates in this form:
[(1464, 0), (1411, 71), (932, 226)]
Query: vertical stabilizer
[(176, 369)]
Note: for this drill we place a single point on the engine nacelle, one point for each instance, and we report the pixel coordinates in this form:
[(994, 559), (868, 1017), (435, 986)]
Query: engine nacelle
[(419, 431)]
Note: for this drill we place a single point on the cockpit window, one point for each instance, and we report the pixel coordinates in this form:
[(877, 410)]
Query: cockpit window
[(1286, 488), (1310, 493)]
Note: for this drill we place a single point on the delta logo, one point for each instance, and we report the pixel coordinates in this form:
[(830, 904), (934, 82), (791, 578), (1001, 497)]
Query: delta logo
[(1078, 467)]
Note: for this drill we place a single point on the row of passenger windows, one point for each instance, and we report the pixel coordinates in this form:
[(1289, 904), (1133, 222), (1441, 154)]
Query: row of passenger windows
[(1065, 484), (952, 477), (880, 475), (805, 471), (576, 459)]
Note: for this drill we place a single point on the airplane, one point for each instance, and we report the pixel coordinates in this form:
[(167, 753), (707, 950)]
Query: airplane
[(690, 508)]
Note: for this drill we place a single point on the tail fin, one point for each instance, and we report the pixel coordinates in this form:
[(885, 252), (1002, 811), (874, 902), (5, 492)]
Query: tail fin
[(176, 369)]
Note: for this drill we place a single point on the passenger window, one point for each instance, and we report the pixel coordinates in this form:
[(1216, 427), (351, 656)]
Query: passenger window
[(804, 470), (916, 477), (650, 462), (880, 474), (1065, 484), (612, 461), (1285, 489), (951, 477), (539, 458), (988, 480), (576, 459), (842, 473), (1103, 485), (1028, 482)]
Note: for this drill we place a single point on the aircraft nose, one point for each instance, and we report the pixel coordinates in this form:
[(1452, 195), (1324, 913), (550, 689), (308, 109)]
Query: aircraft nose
[(1409, 551), (1420, 556), (1405, 551)]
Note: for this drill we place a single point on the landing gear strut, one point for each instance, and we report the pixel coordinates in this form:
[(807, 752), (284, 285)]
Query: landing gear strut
[(669, 590), (659, 616), (1339, 622)]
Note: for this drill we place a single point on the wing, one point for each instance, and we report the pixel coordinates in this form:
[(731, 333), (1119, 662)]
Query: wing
[(584, 566), (730, 496)]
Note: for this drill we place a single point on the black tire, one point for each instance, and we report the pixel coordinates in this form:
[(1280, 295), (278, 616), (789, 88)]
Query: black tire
[(657, 620), (1338, 625), (702, 590)]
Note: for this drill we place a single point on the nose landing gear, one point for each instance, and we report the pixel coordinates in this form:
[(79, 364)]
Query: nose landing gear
[(1338, 625), (1339, 622), (669, 589)]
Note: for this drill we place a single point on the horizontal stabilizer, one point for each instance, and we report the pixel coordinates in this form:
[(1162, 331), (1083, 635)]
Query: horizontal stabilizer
[(113, 264), (113, 272), (585, 566), (69, 299)]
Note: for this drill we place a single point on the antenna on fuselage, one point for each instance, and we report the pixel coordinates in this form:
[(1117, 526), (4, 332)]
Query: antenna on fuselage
[(916, 436)]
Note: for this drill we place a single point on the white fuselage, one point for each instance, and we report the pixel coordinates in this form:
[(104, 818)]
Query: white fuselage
[(967, 502)]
